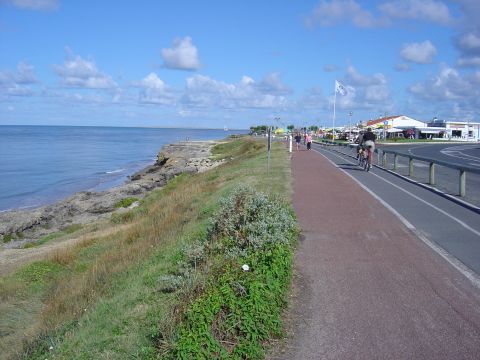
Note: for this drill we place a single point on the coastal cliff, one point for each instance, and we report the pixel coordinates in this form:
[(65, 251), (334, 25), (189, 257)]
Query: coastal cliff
[(19, 227)]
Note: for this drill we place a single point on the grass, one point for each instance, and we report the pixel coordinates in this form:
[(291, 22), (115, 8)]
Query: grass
[(238, 309), (126, 202), (55, 235), (102, 297)]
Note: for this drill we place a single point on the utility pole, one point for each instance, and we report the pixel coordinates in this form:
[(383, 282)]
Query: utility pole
[(350, 125)]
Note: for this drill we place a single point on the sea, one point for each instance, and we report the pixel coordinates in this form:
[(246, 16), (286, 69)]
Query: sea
[(40, 165)]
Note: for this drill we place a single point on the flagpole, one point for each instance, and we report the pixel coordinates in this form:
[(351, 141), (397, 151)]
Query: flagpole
[(334, 101)]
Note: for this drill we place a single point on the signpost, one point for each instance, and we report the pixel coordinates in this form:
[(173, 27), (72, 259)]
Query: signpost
[(269, 144)]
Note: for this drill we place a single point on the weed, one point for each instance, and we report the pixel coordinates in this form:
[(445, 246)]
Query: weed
[(126, 202), (239, 310), (39, 271), (105, 297), (7, 238), (72, 228)]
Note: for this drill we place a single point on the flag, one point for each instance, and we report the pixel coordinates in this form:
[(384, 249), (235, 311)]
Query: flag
[(340, 88)]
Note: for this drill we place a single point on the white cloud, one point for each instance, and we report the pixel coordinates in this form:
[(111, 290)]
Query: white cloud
[(429, 10), (468, 39), (403, 67), (448, 84), (315, 99), (183, 55), (36, 4), (154, 91), (356, 79), (469, 42), (80, 73), (273, 84), (365, 91), (448, 93), (202, 91), (16, 83), (25, 74), (330, 68), (329, 13), (473, 61), (420, 53)]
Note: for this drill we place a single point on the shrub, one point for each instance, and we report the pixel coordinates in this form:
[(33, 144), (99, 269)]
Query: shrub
[(238, 310), (126, 202)]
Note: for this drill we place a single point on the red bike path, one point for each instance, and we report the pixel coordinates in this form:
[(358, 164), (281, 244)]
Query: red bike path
[(365, 287)]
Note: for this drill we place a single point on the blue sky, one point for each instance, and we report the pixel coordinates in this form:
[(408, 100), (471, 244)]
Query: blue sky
[(236, 63)]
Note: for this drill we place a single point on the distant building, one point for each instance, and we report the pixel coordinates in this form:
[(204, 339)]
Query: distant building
[(399, 126), (457, 130), (398, 121)]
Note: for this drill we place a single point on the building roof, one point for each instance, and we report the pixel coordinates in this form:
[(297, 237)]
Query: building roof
[(398, 121), (381, 120)]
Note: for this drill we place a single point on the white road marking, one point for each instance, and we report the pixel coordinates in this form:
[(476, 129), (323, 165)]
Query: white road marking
[(456, 151), (452, 260), (460, 222)]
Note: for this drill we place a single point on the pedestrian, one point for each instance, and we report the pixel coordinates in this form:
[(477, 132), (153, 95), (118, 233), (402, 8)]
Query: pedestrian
[(298, 138), (308, 138)]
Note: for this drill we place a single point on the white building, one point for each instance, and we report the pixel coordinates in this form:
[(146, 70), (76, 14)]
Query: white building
[(399, 125), (458, 130)]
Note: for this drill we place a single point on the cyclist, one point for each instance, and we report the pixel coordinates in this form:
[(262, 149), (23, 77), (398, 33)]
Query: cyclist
[(359, 141), (368, 141)]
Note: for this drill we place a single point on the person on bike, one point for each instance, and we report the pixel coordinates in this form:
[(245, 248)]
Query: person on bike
[(368, 141), (359, 141)]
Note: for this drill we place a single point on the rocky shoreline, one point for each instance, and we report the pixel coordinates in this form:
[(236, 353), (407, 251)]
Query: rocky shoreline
[(19, 227)]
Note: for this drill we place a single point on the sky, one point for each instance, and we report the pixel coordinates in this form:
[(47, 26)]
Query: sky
[(235, 64)]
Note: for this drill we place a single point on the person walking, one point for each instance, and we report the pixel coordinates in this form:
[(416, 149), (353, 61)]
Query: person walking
[(298, 138), (308, 139)]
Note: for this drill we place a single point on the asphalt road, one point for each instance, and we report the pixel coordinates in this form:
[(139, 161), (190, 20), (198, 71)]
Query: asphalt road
[(441, 222), (464, 154), (446, 179)]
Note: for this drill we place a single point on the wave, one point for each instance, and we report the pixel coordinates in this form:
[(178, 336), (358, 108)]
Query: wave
[(115, 171)]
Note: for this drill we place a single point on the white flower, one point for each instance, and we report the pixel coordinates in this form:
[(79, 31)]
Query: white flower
[(245, 267), (50, 348)]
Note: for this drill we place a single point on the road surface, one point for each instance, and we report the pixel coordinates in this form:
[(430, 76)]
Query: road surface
[(376, 274)]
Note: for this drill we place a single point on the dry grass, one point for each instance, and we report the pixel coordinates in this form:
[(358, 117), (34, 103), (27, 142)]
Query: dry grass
[(106, 254)]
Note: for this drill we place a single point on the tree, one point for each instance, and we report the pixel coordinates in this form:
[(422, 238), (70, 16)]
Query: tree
[(313, 128), (290, 127), (261, 129)]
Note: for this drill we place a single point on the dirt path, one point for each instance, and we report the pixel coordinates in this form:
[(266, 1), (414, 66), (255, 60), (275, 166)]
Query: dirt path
[(365, 286)]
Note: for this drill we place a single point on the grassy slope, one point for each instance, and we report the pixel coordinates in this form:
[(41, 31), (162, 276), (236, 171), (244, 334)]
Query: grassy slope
[(101, 299)]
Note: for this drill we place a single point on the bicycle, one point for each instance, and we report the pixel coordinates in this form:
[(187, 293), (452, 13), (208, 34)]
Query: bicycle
[(368, 158), (362, 156)]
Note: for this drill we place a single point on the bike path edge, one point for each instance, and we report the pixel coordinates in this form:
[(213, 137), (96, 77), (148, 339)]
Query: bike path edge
[(364, 286)]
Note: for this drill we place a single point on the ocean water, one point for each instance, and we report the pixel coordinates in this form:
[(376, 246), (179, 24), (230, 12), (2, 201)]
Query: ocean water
[(40, 165)]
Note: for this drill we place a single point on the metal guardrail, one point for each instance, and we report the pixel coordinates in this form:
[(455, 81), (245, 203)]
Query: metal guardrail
[(382, 161)]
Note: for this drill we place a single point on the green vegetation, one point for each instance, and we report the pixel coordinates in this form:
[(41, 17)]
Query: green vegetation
[(240, 307), (7, 238), (55, 235), (122, 292), (126, 202)]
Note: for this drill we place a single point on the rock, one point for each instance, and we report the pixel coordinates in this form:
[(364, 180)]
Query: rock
[(87, 206)]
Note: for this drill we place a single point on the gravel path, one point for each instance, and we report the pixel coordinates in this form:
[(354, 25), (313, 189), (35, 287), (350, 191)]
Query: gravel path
[(365, 287)]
